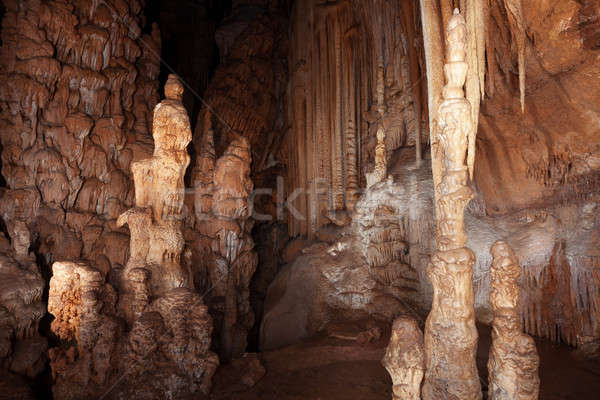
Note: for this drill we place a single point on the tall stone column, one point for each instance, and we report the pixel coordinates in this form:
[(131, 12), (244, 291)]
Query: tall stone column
[(450, 333), (156, 241), (513, 363)]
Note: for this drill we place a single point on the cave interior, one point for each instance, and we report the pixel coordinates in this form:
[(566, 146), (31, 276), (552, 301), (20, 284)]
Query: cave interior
[(300, 199)]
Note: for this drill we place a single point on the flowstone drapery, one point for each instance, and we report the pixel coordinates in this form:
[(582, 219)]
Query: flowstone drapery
[(450, 333), (513, 363)]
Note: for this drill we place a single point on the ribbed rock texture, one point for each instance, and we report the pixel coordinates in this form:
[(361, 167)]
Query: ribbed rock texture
[(166, 350), (405, 359), (450, 333), (78, 88), (80, 84), (513, 362), (339, 51)]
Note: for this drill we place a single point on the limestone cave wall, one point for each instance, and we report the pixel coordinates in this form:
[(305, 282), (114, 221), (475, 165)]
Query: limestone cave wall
[(80, 82)]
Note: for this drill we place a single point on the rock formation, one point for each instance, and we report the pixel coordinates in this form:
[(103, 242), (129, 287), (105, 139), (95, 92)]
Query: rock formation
[(155, 222), (550, 156), (351, 65), (166, 350), (450, 333), (238, 142), (223, 222), (380, 171), (80, 84), (83, 305), (359, 271), (405, 359), (22, 350), (513, 362)]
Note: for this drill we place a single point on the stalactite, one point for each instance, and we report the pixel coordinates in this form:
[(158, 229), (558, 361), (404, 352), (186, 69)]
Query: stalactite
[(476, 73), (415, 79), (343, 51), (338, 142), (514, 11), (352, 171), (434, 59)]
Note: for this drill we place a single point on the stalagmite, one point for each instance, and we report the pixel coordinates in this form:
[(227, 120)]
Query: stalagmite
[(450, 333), (405, 359), (155, 222), (83, 305), (380, 169), (158, 300), (166, 352), (513, 362), (222, 237)]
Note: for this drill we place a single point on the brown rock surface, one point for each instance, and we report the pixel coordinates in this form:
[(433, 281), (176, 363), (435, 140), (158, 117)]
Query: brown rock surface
[(76, 110), (22, 350), (351, 69)]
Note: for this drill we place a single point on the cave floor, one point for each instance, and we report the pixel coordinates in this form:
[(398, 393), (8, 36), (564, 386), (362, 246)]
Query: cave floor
[(330, 369)]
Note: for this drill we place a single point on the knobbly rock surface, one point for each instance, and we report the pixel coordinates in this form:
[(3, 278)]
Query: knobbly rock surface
[(76, 111), (151, 337)]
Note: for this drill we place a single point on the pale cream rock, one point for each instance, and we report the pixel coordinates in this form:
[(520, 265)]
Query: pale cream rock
[(405, 359), (513, 362), (450, 332)]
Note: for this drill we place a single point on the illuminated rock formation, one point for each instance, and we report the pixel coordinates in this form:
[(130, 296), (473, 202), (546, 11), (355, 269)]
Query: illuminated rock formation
[(155, 223), (450, 333), (405, 359), (513, 362), (83, 305), (176, 322), (166, 352)]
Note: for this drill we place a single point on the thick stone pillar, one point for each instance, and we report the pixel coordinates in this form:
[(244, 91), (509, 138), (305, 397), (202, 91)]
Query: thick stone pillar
[(450, 333)]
